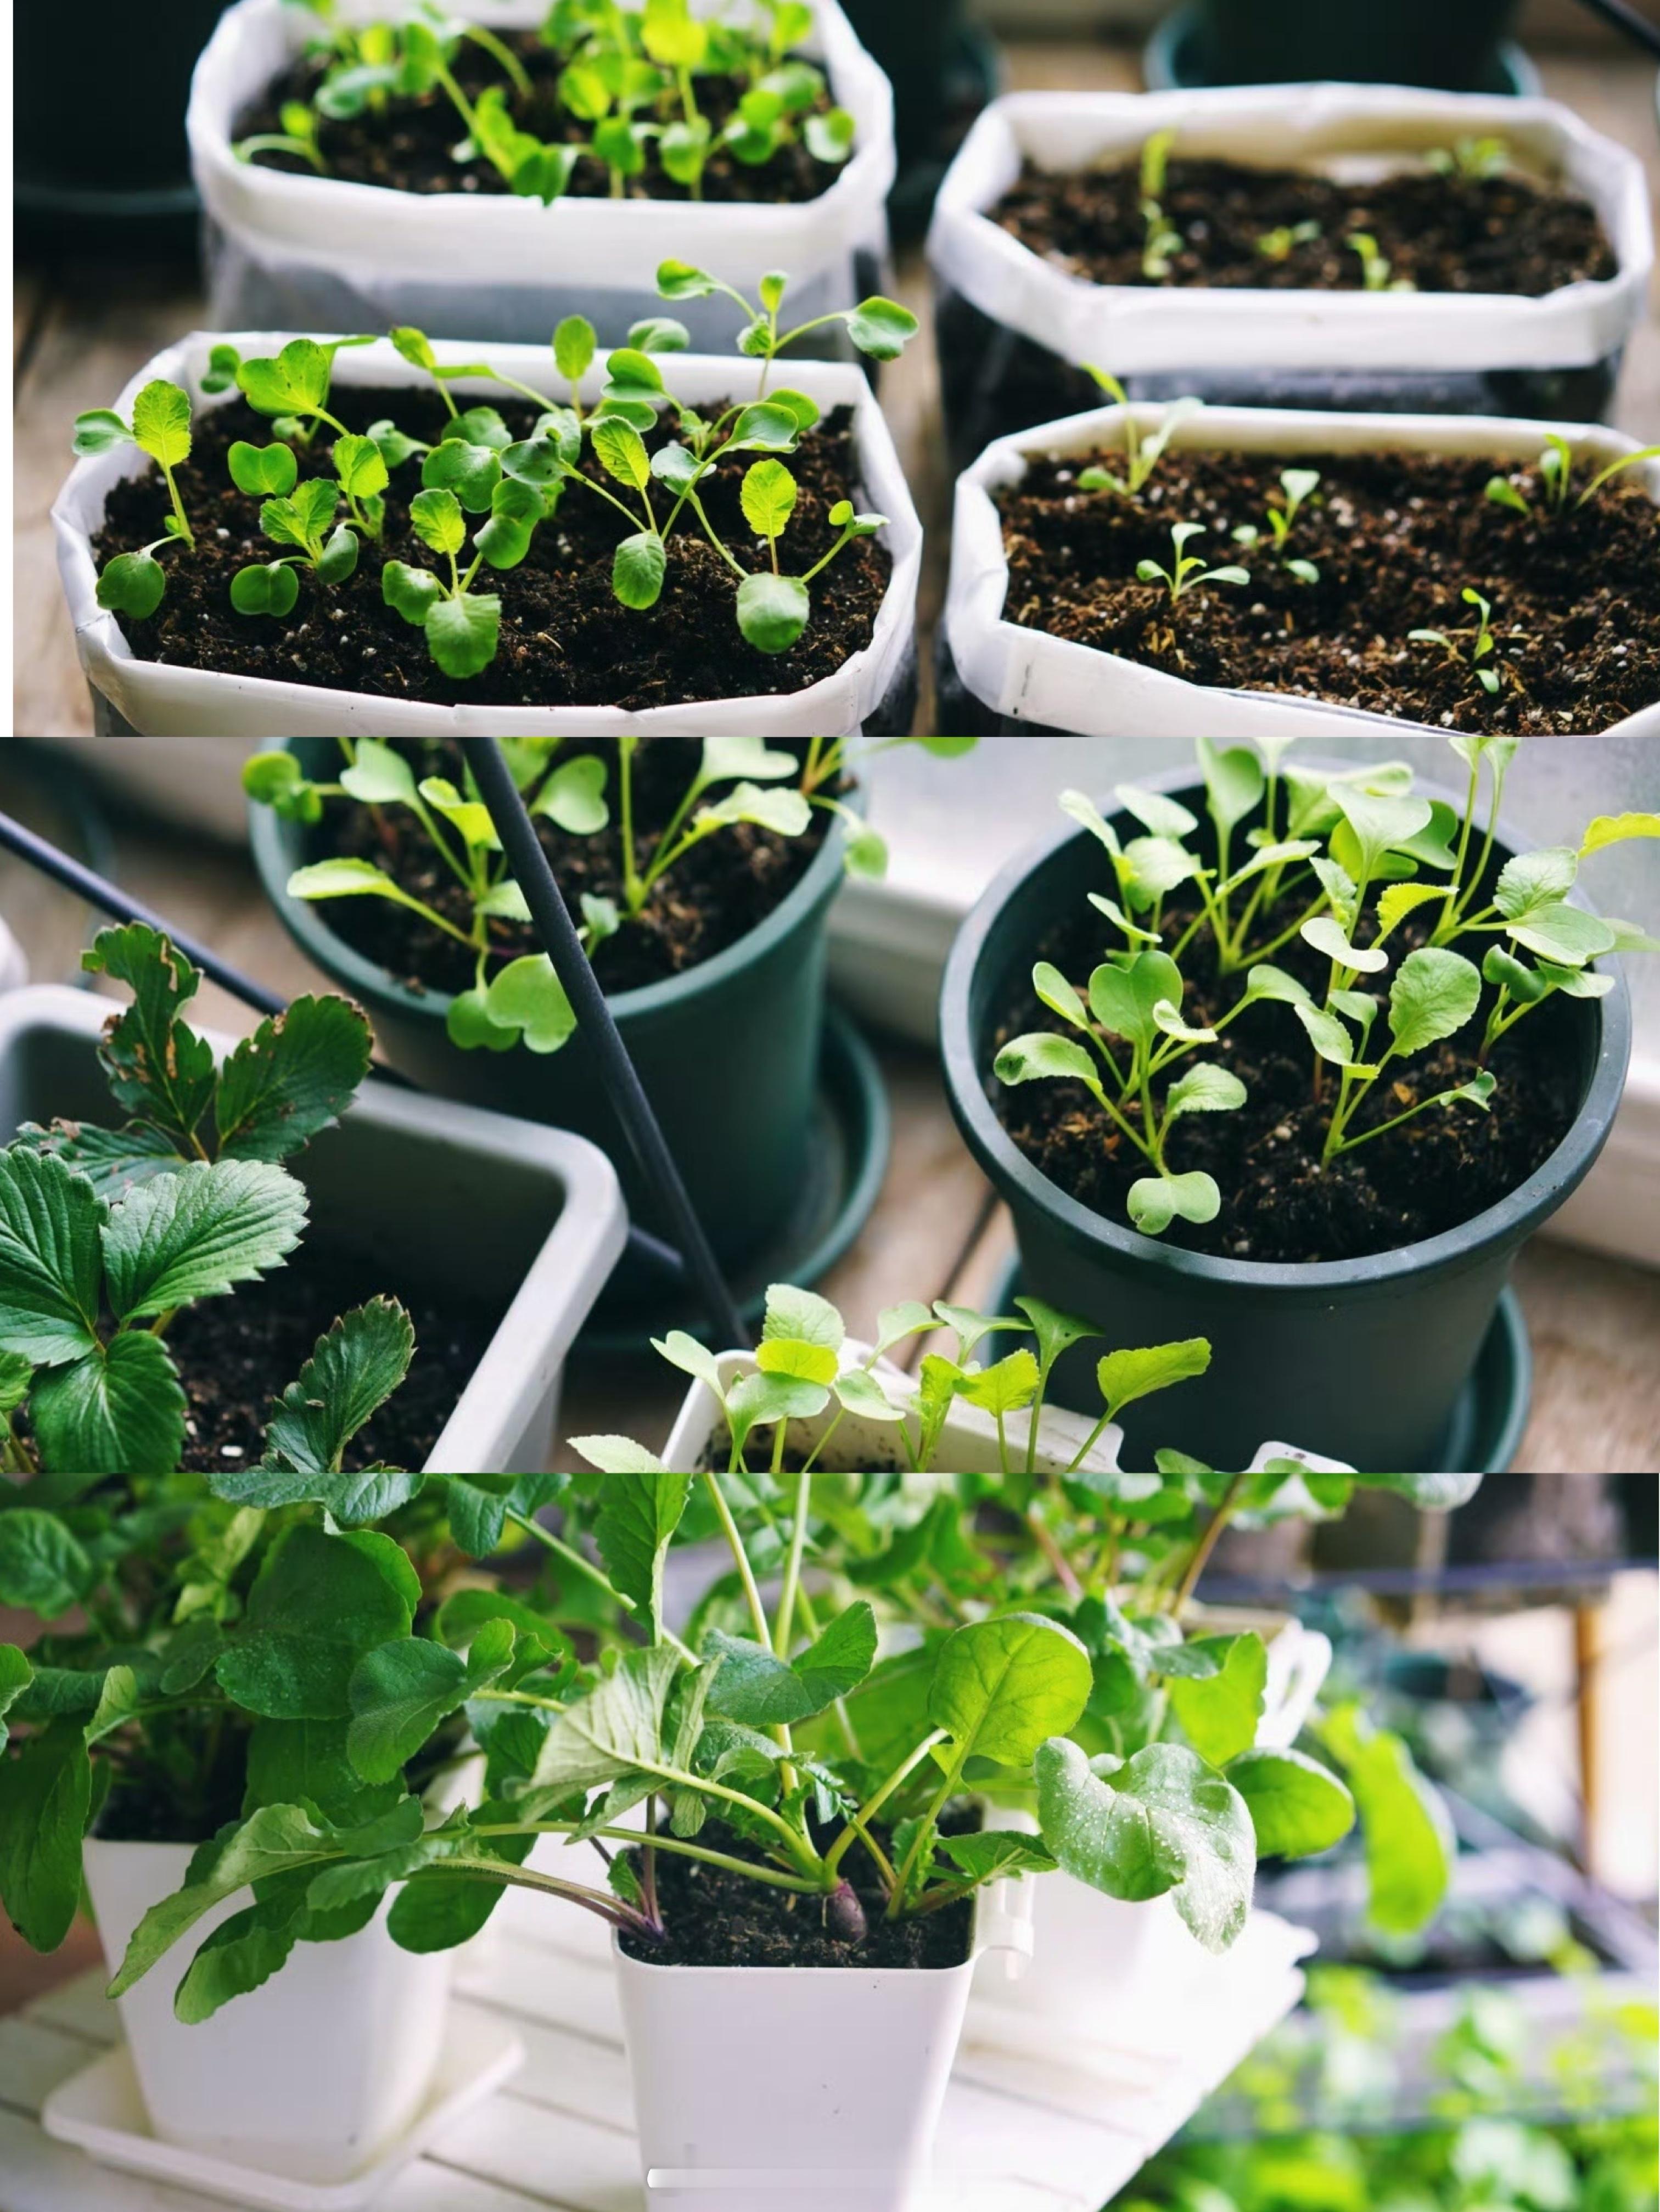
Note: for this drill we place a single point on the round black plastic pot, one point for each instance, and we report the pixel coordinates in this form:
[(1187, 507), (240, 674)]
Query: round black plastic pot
[(1453, 44), (1358, 1360), (729, 1052)]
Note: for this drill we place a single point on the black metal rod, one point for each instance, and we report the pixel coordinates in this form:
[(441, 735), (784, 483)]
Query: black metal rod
[(553, 924), (121, 906), (1626, 18)]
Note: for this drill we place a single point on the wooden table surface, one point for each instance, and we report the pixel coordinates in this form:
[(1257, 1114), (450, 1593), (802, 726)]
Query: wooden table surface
[(81, 330)]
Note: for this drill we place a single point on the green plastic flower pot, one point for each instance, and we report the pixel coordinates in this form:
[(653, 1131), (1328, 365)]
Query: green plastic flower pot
[(1362, 1360), (729, 1052)]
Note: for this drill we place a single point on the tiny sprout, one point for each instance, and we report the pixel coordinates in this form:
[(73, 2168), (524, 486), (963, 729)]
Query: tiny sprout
[(133, 583), (1188, 569), (1141, 455), (272, 588), (298, 136), (1555, 471), (1471, 159), (1163, 239), (1479, 651), (1375, 267), (1297, 484), (879, 327), (1276, 244)]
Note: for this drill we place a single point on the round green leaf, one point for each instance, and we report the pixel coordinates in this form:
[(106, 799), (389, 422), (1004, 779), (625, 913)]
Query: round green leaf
[(132, 584), (1297, 1806), (413, 591), (527, 998), (768, 493), (773, 610), (471, 472), (270, 588), (573, 343), (621, 451), (339, 555), (1002, 1687), (161, 422), (638, 568), (1434, 994), (264, 471), (437, 520), (462, 632), (881, 328)]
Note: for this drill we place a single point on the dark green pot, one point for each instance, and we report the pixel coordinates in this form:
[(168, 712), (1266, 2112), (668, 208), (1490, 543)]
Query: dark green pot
[(1358, 1360), (728, 1052), (1452, 43)]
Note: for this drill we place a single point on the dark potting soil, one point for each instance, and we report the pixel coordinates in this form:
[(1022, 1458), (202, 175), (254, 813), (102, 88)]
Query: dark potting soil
[(177, 1780), (565, 640), (725, 887), (236, 1354), (407, 146), (717, 1919), (1395, 536), (1503, 234), (1432, 1174)]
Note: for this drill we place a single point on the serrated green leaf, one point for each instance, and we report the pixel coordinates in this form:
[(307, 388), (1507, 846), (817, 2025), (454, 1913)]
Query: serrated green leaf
[(319, 1602), (50, 1257), (155, 1065), (119, 1410), (198, 1232)]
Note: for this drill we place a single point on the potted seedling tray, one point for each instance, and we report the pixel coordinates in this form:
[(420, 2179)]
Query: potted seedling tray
[(499, 1235), (1060, 612), (1349, 246), (385, 226), (1369, 1357), (753, 1133), (862, 675)]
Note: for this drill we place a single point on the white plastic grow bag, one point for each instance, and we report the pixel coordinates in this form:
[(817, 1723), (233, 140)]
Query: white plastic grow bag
[(815, 2087), (161, 701), (309, 2077), (1345, 130), (468, 1169), (1061, 684), (321, 253)]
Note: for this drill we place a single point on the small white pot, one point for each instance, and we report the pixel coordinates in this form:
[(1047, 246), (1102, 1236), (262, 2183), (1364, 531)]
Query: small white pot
[(1099, 1958), (494, 1207), (321, 252), (1344, 130), (310, 2077), (156, 700), (1061, 684), (816, 2088)]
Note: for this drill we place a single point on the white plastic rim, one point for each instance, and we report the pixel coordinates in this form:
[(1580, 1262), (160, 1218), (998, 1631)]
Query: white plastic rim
[(816, 2089), (1342, 129), (504, 1419), (1061, 684), (377, 242), (968, 1443), (311, 2076), (163, 701)]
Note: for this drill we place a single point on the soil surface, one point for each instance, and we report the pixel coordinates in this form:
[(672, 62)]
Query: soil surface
[(1503, 234), (725, 887), (565, 640), (717, 1919), (1395, 537), (1434, 1173), (236, 1354), (407, 146)]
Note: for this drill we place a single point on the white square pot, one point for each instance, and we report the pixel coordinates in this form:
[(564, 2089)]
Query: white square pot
[(319, 250), (475, 1200), (157, 700), (1341, 129), (818, 2088), (1060, 685), (310, 2077)]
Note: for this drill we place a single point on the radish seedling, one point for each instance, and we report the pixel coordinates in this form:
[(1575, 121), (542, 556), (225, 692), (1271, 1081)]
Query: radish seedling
[(1142, 453), (1187, 569), (1481, 640), (1297, 484), (1554, 469), (1162, 240), (134, 583)]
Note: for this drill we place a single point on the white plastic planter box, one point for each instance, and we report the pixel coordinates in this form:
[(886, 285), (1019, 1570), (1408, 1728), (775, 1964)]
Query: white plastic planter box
[(816, 2088), (309, 2077), (477, 1202), (1058, 684), (1346, 131), (146, 697), (321, 252)]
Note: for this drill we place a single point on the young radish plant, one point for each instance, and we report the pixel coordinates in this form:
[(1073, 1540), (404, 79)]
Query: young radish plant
[(135, 583), (519, 1000), (1142, 452), (1186, 570), (107, 1233), (1296, 486), (700, 1736), (1553, 471), (1339, 861), (1162, 240), (1480, 646)]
